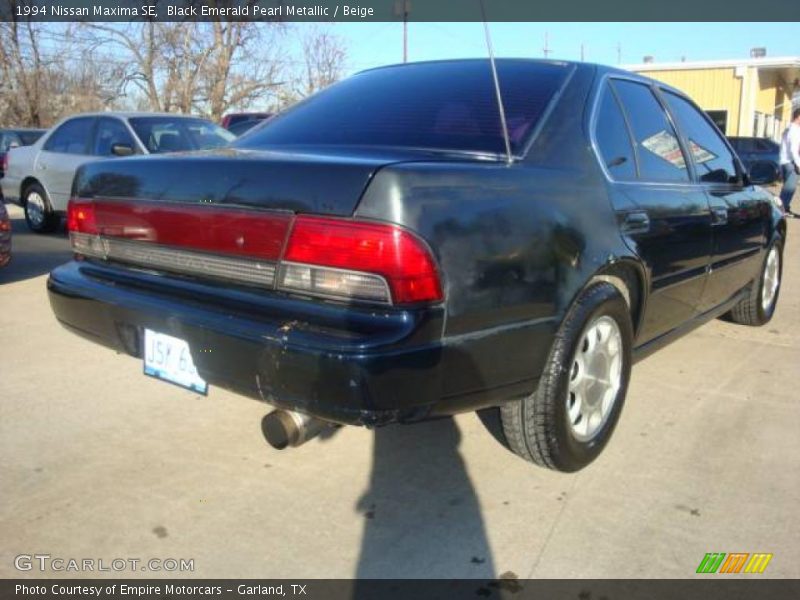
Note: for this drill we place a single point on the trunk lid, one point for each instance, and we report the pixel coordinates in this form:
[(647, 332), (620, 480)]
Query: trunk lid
[(303, 181)]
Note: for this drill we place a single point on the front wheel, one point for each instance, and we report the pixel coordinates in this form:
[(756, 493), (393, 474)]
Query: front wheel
[(567, 421), (39, 213), (759, 306)]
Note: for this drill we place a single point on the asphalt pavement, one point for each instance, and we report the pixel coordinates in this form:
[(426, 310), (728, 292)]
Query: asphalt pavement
[(100, 462)]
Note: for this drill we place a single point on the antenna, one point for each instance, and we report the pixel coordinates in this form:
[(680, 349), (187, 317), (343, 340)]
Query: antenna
[(546, 49), (500, 106)]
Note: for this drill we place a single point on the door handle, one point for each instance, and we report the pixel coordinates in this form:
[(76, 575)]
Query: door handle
[(635, 222), (41, 167), (719, 215)]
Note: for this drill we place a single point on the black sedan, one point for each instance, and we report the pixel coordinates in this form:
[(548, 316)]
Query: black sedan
[(754, 149), (392, 250)]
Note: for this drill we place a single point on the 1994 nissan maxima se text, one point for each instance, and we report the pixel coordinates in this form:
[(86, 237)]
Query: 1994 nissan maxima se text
[(373, 255)]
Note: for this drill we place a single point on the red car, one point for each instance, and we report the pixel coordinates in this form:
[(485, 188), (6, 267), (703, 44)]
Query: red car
[(5, 236), (233, 118)]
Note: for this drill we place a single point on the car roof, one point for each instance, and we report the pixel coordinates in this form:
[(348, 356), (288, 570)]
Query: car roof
[(134, 114)]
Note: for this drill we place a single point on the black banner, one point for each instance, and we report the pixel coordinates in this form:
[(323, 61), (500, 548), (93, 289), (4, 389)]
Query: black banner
[(712, 588), (396, 10)]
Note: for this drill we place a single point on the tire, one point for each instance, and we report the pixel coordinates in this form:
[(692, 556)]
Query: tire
[(759, 306), (568, 420), (39, 213)]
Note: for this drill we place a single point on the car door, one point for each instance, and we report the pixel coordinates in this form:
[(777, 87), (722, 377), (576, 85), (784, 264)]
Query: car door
[(663, 214), (740, 212), (63, 152)]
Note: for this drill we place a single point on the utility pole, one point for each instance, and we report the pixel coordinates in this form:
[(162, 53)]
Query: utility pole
[(619, 53), (546, 48), (401, 9), (582, 54)]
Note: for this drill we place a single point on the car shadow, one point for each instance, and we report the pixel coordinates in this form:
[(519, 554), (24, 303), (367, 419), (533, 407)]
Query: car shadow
[(33, 254), (422, 518)]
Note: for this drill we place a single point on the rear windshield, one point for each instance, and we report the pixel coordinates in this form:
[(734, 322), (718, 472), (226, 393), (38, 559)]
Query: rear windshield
[(29, 137), (178, 134), (445, 105)]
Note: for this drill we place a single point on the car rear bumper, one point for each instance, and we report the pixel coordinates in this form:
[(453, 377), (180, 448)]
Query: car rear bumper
[(366, 366)]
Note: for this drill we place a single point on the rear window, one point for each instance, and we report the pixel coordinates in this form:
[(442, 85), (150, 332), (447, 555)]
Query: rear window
[(29, 137), (445, 105)]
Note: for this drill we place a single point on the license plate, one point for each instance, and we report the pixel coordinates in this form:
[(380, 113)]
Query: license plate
[(169, 359)]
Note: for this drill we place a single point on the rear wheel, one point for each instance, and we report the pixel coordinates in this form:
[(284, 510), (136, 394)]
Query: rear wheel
[(39, 213), (568, 420), (759, 306)]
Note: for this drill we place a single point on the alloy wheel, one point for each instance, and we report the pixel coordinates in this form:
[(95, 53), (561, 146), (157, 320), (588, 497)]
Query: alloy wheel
[(595, 378), (772, 278)]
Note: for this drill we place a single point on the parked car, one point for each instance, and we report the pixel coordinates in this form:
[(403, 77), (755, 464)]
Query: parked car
[(13, 138), (752, 149), (232, 119), (379, 255), (241, 127), (39, 177), (5, 236)]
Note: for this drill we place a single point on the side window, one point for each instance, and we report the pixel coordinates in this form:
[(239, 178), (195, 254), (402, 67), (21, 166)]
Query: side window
[(72, 137), (658, 150), (613, 140), (110, 132), (713, 160)]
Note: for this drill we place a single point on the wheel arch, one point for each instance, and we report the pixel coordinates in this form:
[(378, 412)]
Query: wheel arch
[(628, 277), (25, 184)]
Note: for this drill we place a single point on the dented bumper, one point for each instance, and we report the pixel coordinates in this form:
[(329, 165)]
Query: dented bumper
[(352, 365)]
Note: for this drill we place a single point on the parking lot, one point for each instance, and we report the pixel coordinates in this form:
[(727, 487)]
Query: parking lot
[(98, 461)]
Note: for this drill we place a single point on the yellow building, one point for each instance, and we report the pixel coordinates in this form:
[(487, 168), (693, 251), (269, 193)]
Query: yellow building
[(748, 97)]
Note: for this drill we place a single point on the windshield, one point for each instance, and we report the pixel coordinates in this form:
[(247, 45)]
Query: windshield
[(438, 105), (176, 134)]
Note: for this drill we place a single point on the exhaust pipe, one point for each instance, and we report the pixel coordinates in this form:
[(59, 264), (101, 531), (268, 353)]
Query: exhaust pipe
[(285, 428)]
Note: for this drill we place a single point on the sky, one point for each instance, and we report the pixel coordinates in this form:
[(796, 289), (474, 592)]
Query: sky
[(374, 44)]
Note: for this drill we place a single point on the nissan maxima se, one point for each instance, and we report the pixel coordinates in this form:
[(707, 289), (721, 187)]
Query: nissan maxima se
[(392, 250)]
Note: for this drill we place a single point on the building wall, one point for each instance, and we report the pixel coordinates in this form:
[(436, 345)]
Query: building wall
[(712, 89)]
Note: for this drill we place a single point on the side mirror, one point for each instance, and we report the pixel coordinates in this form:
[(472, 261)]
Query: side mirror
[(13, 144), (764, 172), (121, 150)]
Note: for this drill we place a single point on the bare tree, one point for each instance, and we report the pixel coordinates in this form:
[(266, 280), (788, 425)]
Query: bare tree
[(323, 62), (140, 44), (50, 70), (47, 75), (24, 71), (244, 65), (324, 55)]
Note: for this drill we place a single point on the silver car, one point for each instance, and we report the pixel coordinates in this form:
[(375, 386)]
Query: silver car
[(39, 177)]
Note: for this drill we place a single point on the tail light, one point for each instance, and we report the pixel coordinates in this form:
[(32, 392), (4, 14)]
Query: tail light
[(334, 258), (5, 162), (357, 259)]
